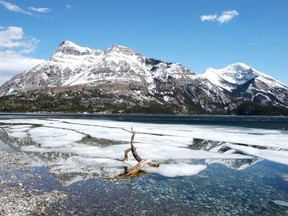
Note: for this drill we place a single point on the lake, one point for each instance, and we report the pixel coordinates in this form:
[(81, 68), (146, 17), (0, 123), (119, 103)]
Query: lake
[(209, 165)]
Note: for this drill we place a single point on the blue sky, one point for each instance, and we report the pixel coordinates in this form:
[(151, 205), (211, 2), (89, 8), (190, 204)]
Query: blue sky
[(197, 34)]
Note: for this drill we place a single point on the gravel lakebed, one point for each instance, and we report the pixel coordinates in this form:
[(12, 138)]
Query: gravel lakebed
[(21, 185)]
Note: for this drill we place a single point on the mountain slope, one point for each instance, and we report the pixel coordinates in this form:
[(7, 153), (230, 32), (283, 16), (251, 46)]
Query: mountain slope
[(245, 83), (72, 65), (79, 79)]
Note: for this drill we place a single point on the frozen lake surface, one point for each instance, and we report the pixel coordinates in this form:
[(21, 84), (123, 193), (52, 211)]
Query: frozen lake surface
[(210, 165)]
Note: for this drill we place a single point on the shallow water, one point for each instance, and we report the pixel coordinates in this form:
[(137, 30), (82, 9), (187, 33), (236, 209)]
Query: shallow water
[(228, 183), (218, 190)]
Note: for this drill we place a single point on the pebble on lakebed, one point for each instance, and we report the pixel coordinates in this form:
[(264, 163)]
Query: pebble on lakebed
[(15, 198)]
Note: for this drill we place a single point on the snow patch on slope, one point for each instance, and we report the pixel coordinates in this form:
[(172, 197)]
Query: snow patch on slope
[(237, 74), (231, 76), (71, 55)]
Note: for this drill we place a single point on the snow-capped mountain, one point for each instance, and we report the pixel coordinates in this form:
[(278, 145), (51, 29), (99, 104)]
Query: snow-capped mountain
[(230, 77), (234, 75), (72, 65), (243, 82), (120, 80)]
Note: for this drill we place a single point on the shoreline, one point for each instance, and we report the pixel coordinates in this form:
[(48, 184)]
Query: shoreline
[(19, 185)]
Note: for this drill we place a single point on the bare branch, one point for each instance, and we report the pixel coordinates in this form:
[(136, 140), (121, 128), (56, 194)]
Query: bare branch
[(141, 162)]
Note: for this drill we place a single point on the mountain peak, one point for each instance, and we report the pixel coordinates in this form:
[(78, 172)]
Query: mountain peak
[(66, 43), (231, 76), (239, 65), (120, 49), (70, 48)]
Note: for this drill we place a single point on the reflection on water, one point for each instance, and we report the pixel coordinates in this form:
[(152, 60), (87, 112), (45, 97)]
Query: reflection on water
[(69, 167), (218, 190), (81, 156)]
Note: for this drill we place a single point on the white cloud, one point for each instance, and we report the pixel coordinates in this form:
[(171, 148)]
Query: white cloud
[(225, 16), (9, 37), (12, 39), (14, 8), (208, 17), (40, 10), (12, 64), (13, 47)]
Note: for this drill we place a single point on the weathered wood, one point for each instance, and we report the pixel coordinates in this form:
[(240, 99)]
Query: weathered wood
[(135, 154), (151, 164), (133, 148), (134, 170), (126, 154)]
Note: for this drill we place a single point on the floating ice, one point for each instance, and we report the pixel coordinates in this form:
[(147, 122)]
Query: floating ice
[(174, 170), (19, 131), (281, 203), (54, 137), (90, 147), (276, 156)]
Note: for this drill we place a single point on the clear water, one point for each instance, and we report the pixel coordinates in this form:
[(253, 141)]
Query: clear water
[(260, 189), (216, 191)]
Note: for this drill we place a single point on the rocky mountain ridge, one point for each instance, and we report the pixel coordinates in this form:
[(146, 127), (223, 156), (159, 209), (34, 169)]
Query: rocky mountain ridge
[(78, 79)]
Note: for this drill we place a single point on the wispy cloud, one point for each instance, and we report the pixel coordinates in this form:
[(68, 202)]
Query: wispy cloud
[(225, 17), (69, 7), (254, 41), (9, 36), (40, 10), (12, 39), (12, 64), (11, 7), (14, 8), (14, 46), (208, 17)]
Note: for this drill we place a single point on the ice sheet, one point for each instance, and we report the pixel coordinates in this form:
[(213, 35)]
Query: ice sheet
[(167, 143), (276, 156), (173, 170)]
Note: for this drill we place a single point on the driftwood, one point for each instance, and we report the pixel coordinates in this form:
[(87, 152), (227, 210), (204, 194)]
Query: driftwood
[(141, 162)]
